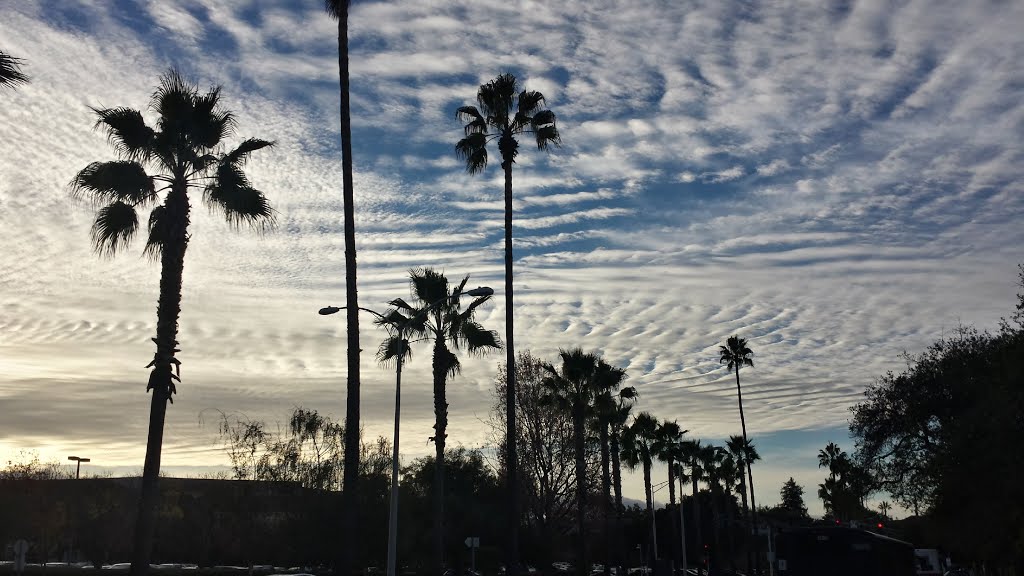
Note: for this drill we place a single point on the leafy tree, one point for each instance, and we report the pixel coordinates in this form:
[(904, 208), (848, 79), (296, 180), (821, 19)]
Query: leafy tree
[(438, 315), (504, 113), (735, 354), (10, 70), (638, 441), (338, 10), (793, 498), (185, 151)]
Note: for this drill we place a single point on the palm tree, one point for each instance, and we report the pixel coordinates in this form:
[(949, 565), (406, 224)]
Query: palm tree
[(617, 416), (10, 70), (884, 508), (607, 380), (666, 447), (338, 9), (834, 458), (735, 354), (504, 114), (447, 324), (573, 388), (715, 468), (692, 450), (184, 151), (743, 452), (638, 450)]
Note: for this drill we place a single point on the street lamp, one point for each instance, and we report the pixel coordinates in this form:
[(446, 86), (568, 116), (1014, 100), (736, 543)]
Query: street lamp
[(400, 330), (78, 468)]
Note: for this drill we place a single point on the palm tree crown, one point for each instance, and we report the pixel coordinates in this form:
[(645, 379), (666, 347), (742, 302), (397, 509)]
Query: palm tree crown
[(502, 113), (735, 353)]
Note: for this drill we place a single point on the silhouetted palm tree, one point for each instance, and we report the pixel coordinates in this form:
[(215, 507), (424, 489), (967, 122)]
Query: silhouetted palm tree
[(638, 450), (617, 416), (446, 323), (711, 458), (573, 388), (692, 450), (338, 9), (834, 458), (503, 113), (667, 449), (743, 452), (735, 354), (10, 70), (608, 379), (184, 151)]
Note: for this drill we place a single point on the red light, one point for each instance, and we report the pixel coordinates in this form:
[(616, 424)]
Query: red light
[(837, 521), (880, 525)]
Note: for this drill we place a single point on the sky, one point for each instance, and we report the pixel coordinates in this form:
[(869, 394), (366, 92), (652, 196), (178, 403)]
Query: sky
[(835, 182)]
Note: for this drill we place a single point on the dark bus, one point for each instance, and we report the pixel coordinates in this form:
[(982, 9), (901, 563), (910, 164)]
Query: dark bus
[(840, 551)]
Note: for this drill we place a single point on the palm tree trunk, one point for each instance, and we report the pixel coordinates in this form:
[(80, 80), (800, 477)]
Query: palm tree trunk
[(582, 567), (606, 490), (440, 431), (716, 523), (161, 378), (617, 485), (650, 510), (696, 524), (672, 504), (350, 499), (750, 476), (746, 513), (512, 455), (682, 528)]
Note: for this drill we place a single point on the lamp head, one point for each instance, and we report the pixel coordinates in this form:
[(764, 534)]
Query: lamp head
[(328, 310), (480, 291)]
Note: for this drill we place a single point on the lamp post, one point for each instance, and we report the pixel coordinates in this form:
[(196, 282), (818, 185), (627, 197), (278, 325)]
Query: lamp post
[(78, 467), (400, 332)]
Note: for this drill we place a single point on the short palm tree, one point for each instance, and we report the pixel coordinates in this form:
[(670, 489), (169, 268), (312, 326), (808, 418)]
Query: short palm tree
[(10, 70), (338, 9), (667, 449), (504, 113), (617, 416), (638, 441), (572, 387), (450, 327), (742, 452), (735, 354), (184, 152)]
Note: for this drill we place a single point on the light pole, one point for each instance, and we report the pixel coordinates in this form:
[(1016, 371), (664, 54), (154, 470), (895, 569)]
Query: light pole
[(78, 468), (400, 332)]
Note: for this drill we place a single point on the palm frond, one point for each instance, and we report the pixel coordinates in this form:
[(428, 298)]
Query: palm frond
[(10, 70), (547, 136), (475, 123), (159, 231), (121, 180), (529, 102), (126, 131), (473, 149), (387, 353), (428, 285), (240, 155), (242, 203), (174, 101), (477, 338), (114, 228)]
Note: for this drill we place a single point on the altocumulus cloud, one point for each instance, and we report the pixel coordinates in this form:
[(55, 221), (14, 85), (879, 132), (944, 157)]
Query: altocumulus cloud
[(836, 184)]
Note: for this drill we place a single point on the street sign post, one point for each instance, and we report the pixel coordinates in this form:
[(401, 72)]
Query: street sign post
[(472, 542)]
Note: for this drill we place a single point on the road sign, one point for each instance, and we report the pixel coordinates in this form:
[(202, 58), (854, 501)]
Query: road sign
[(473, 542)]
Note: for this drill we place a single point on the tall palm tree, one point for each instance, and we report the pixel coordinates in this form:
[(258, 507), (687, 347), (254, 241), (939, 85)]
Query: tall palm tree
[(450, 327), (735, 354), (573, 387), (338, 9), (10, 70), (183, 152), (608, 379), (504, 113), (638, 450), (692, 450), (666, 448)]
